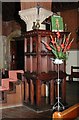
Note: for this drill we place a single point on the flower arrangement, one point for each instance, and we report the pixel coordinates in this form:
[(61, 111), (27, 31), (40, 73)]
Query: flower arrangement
[(59, 46)]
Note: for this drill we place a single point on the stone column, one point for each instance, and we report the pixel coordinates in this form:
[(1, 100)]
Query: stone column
[(30, 15), (3, 53)]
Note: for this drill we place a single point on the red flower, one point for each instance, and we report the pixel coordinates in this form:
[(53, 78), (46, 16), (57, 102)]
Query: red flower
[(58, 34), (58, 48), (64, 50), (68, 47), (47, 46), (62, 46), (53, 42), (67, 40)]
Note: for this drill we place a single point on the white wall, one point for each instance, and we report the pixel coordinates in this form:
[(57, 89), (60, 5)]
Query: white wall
[(72, 61)]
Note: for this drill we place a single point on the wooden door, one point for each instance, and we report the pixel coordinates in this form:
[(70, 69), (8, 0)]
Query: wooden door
[(17, 55), (13, 54)]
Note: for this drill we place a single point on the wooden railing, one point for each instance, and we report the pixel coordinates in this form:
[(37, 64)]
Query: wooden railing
[(69, 114)]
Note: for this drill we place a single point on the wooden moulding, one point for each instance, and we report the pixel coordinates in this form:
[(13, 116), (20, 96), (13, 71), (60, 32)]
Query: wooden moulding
[(69, 114)]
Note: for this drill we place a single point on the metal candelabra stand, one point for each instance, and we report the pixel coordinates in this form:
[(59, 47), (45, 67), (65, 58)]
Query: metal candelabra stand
[(58, 105)]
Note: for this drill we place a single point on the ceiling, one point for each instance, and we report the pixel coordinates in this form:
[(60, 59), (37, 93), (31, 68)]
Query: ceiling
[(10, 9)]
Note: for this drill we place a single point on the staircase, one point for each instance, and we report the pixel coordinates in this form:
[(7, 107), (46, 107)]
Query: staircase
[(11, 90)]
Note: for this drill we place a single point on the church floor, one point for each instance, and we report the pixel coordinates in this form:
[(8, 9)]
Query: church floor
[(23, 112)]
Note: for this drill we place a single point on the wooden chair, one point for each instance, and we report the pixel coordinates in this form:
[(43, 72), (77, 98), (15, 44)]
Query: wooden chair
[(13, 75), (69, 114), (73, 73), (4, 84)]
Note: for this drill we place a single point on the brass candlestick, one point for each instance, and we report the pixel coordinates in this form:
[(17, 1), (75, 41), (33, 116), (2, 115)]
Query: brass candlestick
[(37, 24)]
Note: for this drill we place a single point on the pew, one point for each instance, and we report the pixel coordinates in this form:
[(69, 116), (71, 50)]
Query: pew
[(69, 114), (74, 74)]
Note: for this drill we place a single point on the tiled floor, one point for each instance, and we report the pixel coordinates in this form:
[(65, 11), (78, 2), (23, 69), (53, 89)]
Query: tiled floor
[(23, 112)]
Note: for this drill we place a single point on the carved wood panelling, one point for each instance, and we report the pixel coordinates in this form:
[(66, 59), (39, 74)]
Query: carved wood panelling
[(27, 5)]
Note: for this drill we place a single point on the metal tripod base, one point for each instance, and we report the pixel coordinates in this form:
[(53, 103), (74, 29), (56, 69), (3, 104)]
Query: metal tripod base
[(58, 106)]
